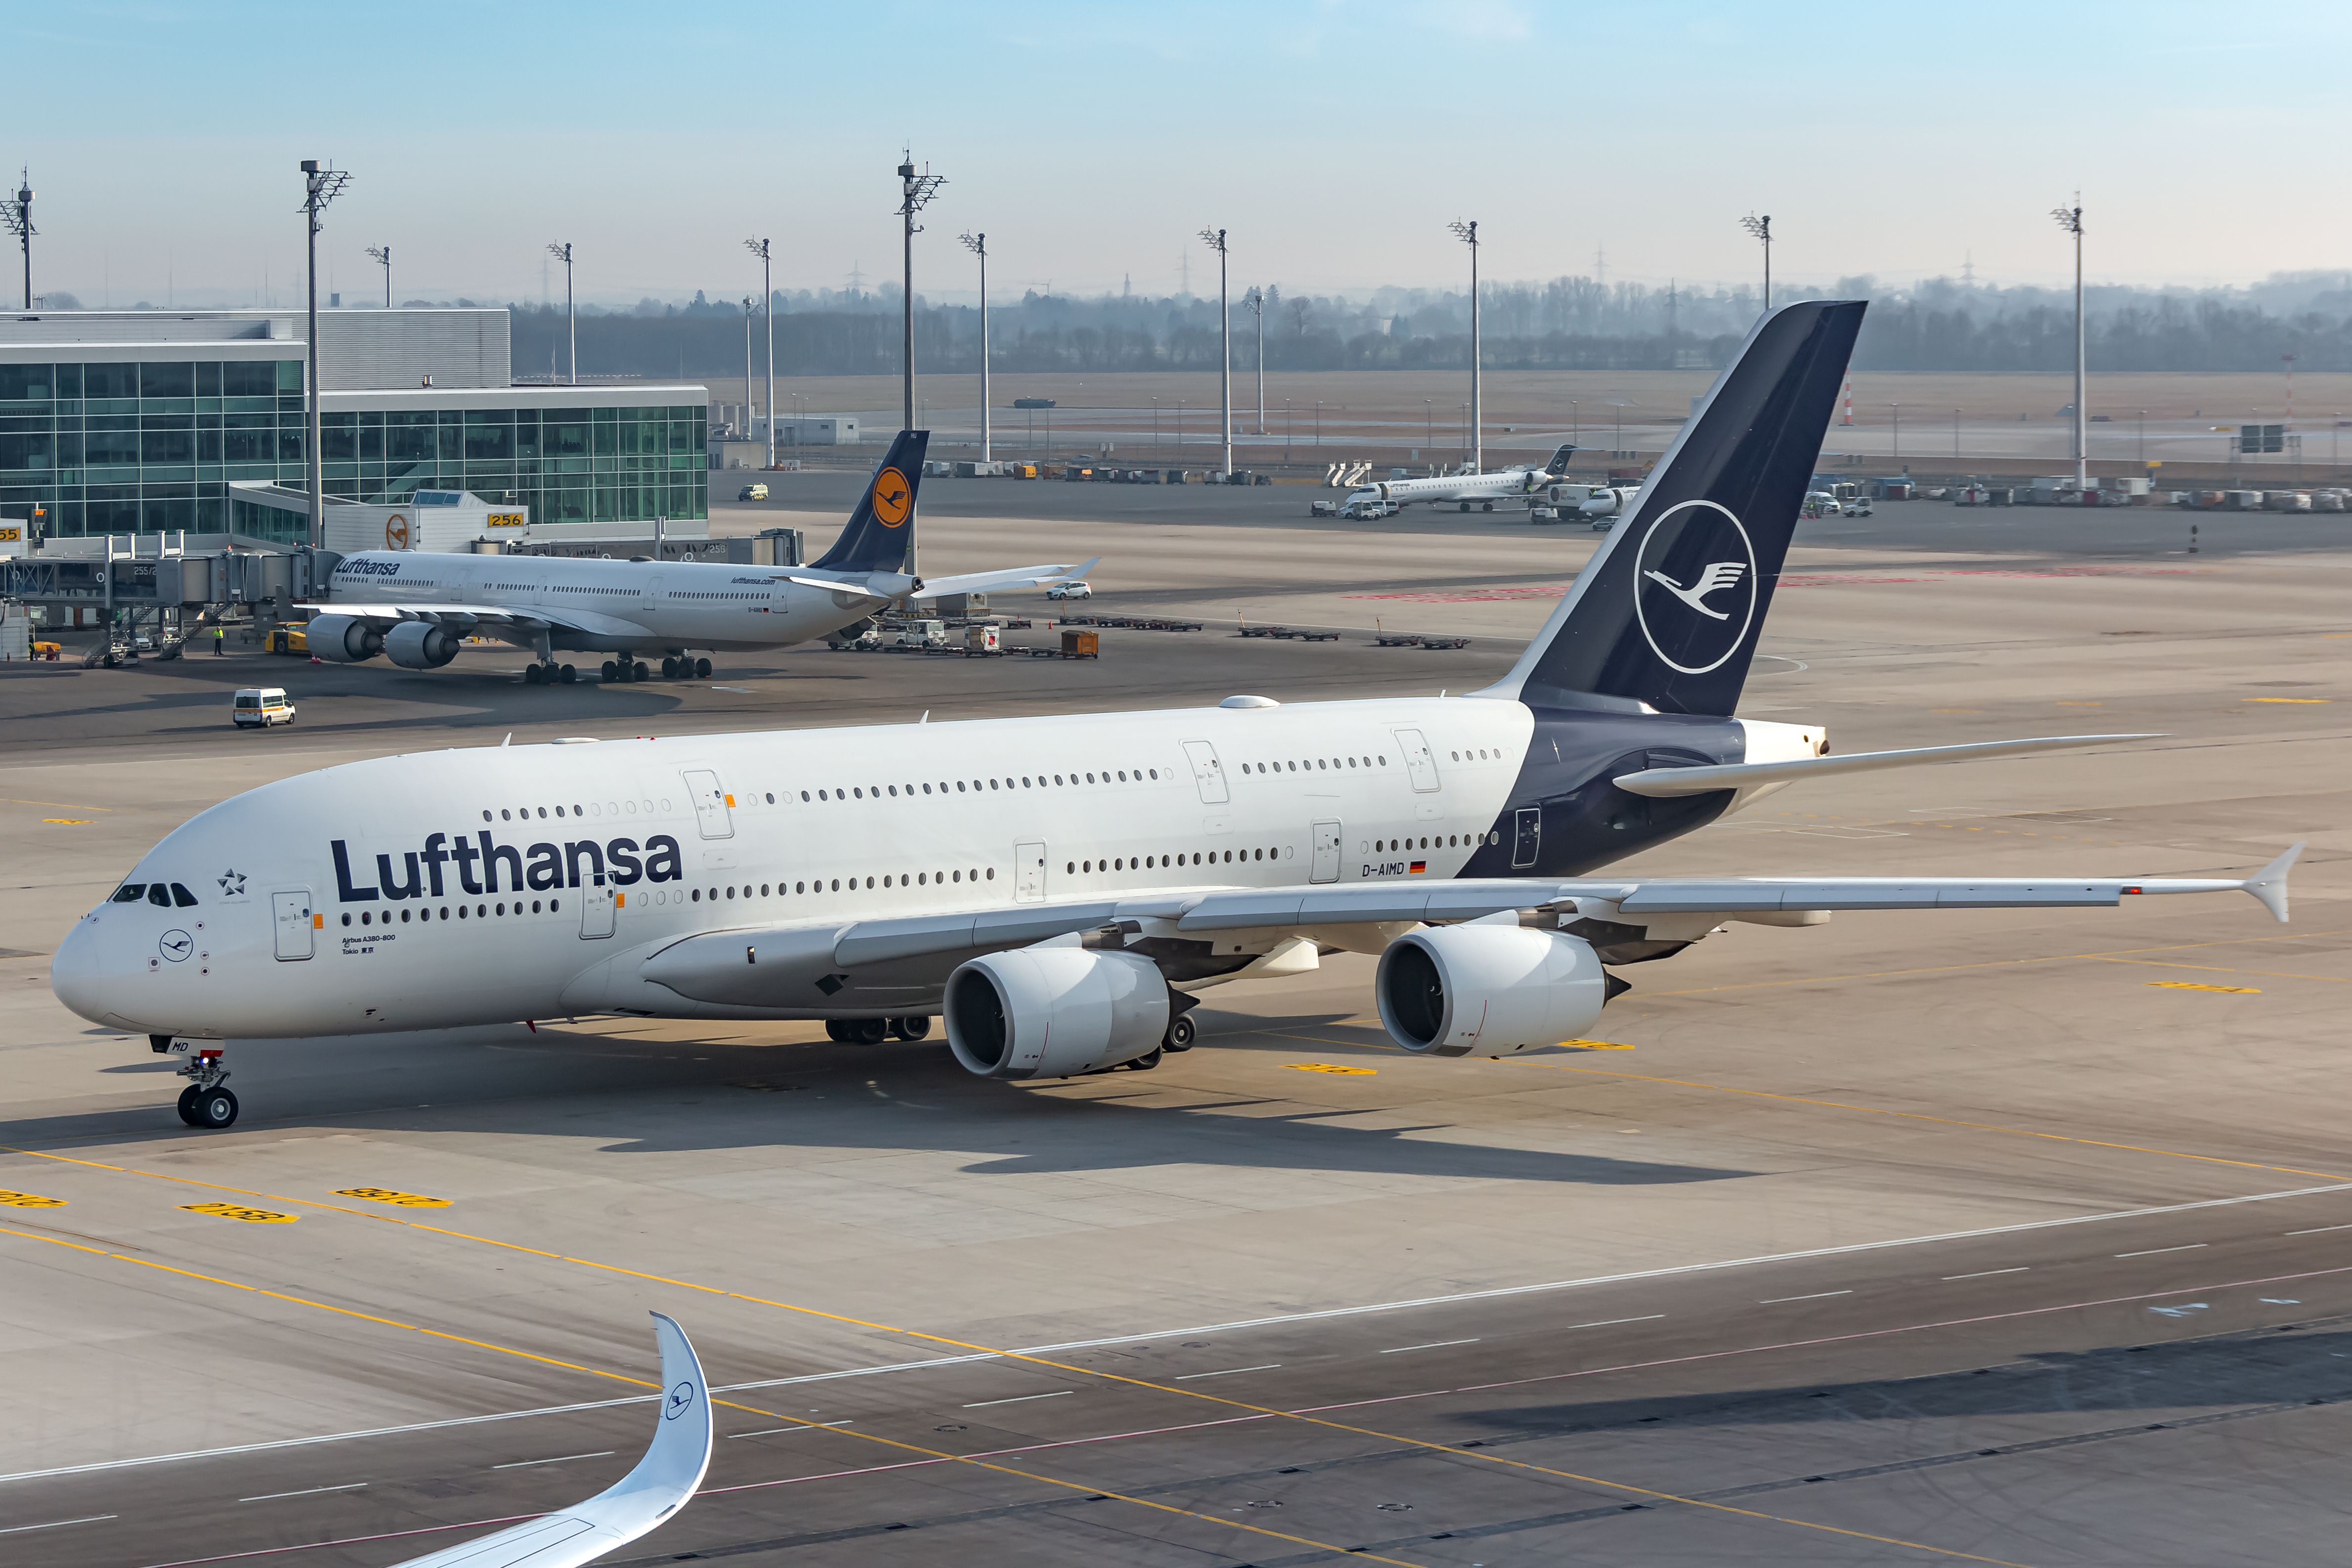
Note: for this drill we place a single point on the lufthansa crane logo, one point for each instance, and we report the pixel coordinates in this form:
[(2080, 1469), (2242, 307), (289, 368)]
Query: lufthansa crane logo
[(1695, 586), (395, 532), (893, 498), (680, 1400)]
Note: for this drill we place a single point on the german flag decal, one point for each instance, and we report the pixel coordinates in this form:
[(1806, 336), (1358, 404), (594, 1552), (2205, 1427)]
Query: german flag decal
[(893, 499), (1418, 866)]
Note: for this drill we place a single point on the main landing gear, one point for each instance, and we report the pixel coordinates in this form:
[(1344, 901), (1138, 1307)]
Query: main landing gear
[(874, 1031), (205, 1104), (686, 669), (549, 674), (626, 669)]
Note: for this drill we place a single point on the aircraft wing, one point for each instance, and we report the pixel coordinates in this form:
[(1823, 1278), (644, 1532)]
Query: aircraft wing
[(1009, 577), (660, 1485), (470, 615), (1667, 782), (739, 966)]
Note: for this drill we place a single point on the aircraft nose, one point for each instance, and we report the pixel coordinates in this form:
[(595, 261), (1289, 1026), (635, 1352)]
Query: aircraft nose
[(76, 975)]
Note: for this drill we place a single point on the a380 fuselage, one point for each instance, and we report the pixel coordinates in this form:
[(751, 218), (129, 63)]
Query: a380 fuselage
[(486, 885)]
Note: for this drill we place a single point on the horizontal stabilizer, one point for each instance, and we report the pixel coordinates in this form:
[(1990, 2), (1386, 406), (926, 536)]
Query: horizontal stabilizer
[(1008, 578), (1668, 781)]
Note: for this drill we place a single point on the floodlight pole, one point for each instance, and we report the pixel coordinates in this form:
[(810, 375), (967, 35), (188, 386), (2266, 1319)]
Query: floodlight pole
[(19, 211), (915, 193), (1256, 300), (1467, 233), (760, 248), (1215, 238), (978, 245), (382, 256), (747, 371), (563, 253), (319, 186), (2071, 220), (1761, 228)]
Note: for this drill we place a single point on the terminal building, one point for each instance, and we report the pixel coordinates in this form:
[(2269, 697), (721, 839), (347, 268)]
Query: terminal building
[(153, 422)]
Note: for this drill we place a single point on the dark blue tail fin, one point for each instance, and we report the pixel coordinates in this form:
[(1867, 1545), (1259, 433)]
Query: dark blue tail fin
[(881, 533), (1556, 464), (1668, 611)]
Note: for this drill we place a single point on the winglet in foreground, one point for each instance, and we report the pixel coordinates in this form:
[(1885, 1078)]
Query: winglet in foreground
[(660, 1485)]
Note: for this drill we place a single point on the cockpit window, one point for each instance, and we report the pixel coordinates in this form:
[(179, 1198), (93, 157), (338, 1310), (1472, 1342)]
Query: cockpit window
[(130, 892), (181, 897), (159, 895)]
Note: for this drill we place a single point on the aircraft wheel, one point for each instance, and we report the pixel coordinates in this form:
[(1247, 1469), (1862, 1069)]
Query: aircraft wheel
[(570, 674), (1181, 1033), (669, 669), (913, 1029), (532, 675), (1147, 1061), (188, 1105), (702, 669), (611, 671), (1489, 506), (637, 670), (835, 1031), (212, 1108), (868, 1031)]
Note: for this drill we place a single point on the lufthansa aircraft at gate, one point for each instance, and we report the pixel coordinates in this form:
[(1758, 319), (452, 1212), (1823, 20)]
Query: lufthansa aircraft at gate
[(1059, 887)]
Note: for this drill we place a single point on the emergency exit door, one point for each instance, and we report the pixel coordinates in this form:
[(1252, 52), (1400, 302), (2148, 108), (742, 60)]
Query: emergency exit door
[(596, 905), (1419, 761), (710, 803), (1028, 873), (293, 916), (1208, 772), (1327, 853)]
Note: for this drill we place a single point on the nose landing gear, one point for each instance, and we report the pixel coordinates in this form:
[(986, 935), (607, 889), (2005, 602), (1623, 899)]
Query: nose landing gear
[(205, 1104)]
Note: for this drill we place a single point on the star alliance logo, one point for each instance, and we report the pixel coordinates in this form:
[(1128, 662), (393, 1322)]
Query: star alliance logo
[(1695, 586), (232, 884)]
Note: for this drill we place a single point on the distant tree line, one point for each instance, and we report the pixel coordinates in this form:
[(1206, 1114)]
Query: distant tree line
[(1567, 323)]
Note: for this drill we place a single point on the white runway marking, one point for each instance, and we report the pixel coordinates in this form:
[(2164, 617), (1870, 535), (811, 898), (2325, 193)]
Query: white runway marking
[(2152, 1251), (1022, 1399), (59, 1523), (305, 1491), (558, 1460), (1496, 1293), (1816, 1296), (1196, 1376), (2316, 1230), (1612, 1322), (772, 1431), (1987, 1273), (1432, 1345)]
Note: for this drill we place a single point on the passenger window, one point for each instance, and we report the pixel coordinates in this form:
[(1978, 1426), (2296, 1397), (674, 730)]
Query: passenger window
[(130, 892), (181, 897)]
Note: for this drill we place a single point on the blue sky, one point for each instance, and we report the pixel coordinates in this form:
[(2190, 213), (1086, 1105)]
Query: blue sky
[(1091, 141)]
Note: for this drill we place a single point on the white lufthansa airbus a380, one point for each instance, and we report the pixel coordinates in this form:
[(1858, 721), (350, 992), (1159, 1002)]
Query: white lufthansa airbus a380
[(416, 607), (1059, 888)]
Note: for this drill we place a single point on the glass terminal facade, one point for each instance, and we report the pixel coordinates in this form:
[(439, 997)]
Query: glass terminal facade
[(145, 447)]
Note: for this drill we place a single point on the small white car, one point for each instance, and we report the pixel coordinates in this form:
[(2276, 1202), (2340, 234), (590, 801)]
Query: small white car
[(261, 707), (1080, 589), (1858, 506)]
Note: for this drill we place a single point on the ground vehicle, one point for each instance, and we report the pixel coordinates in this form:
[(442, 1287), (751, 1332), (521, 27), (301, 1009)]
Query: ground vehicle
[(1820, 503), (48, 650), (258, 707), (1858, 506), (915, 636), (752, 493), (1078, 588), (1322, 509), (1371, 510), (288, 640)]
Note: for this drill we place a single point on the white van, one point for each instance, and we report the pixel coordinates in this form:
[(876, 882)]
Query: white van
[(261, 706)]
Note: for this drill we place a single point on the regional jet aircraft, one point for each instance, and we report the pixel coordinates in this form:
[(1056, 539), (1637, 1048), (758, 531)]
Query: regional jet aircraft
[(1059, 888), (416, 607), (1524, 480)]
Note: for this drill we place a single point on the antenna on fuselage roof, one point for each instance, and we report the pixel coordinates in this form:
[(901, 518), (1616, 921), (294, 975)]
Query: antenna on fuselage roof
[(926, 718), (510, 737)]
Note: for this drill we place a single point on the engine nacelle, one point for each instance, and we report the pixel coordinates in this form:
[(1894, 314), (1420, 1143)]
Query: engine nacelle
[(1054, 1012), (1489, 990), (342, 640), (419, 645)]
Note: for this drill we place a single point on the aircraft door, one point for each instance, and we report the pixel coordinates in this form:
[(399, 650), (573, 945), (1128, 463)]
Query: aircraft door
[(1327, 853), (597, 903), (710, 803), (1419, 761), (649, 595), (1028, 873), (291, 912), (1208, 772), (1527, 836)]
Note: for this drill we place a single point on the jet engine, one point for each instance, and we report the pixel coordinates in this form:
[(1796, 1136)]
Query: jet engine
[(343, 639), (1489, 990), (1054, 1012), (419, 645)]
